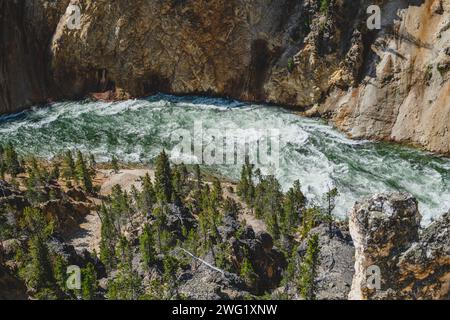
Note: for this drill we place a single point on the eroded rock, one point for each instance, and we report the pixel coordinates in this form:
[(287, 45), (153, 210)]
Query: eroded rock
[(413, 263)]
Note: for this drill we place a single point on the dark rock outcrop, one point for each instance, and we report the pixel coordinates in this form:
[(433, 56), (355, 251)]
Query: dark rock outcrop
[(207, 284)]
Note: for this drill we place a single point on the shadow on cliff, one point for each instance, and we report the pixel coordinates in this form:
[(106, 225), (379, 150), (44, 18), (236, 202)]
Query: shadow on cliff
[(389, 15)]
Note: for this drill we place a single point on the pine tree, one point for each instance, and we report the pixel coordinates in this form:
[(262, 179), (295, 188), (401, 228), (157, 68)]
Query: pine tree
[(294, 203), (82, 173), (171, 267), (273, 206), (291, 269), (177, 183), (92, 162), (160, 214), (89, 283), (247, 272), (55, 173), (217, 193), (330, 198), (148, 196), (34, 183), (115, 164), (246, 186), (35, 223), (243, 186), (59, 272), (198, 177), (108, 238), (147, 247), (35, 266), (198, 190), (308, 269), (11, 160), (163, 178), (69, 166), (309, 221), (2, 169), (127, 284), (39, 271)]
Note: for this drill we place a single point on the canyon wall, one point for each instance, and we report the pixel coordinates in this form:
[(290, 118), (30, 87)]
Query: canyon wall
[(317, 56)]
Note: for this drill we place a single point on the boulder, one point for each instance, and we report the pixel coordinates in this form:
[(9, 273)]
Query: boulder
[(409, 263)]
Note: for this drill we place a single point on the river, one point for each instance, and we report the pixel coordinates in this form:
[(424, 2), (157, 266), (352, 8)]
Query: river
[(309, 150)]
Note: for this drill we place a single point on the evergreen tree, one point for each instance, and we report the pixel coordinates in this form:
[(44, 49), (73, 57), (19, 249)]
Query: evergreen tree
[(115, 164), (244, 184), (217, 193), (89, 283), (148, 196), (294, 203), (160, 224), (92, 161), (198, 190), (308, 269), (330, 198), (171, 267), (69, 166), (59, 272), (178, 184), (2, 169), (35, 266), (246, 187), (231, 207), (147, 247), (34, 183), (11, 160), (55, 173), (272, 202), (108, 238), (309, 221), (198, 177), (127, 284), (34, 223), (247, 272), (119, 208), (163, 178), (39, 273), (291, 269), (82, 173)]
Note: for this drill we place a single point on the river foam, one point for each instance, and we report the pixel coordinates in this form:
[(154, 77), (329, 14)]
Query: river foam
[(313, 152)]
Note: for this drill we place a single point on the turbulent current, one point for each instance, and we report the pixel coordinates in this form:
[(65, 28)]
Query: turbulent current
[(309, 150)]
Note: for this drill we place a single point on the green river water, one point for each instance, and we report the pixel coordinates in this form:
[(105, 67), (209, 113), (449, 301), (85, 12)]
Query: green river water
[(311, 150)]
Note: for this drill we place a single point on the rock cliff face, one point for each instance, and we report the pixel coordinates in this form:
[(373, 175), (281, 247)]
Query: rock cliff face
[(26, 30), (413, 263), (389, 84), (403, 90)]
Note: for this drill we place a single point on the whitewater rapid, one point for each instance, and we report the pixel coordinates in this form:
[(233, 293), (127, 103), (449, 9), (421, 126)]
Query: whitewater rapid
[(312, 151)]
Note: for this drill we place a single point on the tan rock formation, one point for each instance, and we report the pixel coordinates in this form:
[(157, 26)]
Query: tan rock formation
[(411, 263), (405, 95)]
